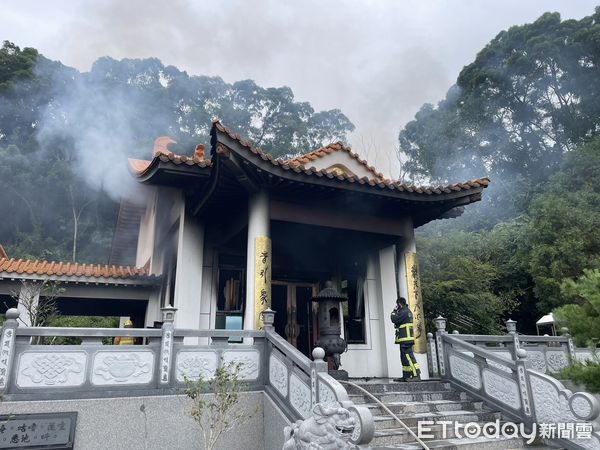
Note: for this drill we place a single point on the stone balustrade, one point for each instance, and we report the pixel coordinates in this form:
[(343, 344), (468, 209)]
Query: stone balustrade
[(501, 371), (33, 368)]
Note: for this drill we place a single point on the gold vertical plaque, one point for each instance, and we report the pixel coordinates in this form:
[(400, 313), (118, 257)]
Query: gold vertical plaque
[(262, 278), (415, 300)]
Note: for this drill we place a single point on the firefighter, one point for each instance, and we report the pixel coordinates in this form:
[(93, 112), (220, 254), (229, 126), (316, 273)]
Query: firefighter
[(402, 319)]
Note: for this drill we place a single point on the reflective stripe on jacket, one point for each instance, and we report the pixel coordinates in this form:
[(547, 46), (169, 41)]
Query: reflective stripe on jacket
[(403, 320)]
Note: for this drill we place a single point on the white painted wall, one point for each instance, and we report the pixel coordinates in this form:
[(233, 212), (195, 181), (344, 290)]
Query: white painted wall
[(208, 300), (387, 267), (188, 281), (145, 243), (365, 360)]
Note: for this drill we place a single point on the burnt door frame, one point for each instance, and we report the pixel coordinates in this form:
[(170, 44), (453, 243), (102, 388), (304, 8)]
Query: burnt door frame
[(292, 327)]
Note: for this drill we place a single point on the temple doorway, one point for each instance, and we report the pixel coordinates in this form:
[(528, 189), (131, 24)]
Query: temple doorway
[(295, 316)]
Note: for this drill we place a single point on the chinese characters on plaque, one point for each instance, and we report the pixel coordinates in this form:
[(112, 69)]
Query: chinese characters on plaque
[(262, 278), (165, 355), (40, 431), (5, 349), (415, 300)]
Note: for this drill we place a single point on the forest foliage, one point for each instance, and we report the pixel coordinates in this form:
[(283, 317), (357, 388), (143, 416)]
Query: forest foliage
[(65, 137), (526, 113)]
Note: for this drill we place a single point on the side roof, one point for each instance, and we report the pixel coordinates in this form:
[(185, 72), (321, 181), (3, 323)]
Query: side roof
[(74, 272)]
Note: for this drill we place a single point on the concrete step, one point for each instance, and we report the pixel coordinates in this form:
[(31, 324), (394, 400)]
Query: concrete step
[(460, 416), (399, 435), (391, 437), (420, 396), (461, 444), (392, 386), (433, 401), (425, 406)]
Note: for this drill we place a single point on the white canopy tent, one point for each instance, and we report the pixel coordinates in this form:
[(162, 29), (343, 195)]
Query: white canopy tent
[(547, 320)]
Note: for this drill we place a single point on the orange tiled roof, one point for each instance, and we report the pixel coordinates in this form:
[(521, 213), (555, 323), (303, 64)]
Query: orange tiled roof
[(162, 153), (380, 183), (30, 267), (307, 158), (3, 253)]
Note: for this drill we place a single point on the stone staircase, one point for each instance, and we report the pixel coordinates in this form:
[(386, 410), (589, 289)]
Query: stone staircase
[(427, 400)]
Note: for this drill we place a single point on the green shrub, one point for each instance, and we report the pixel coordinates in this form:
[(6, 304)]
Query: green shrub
[(587, 374)]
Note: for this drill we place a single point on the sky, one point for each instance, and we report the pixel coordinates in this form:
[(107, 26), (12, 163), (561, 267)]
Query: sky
[(377, 61)]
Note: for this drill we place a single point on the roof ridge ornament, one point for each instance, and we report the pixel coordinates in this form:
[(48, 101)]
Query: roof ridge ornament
[(161, 146)]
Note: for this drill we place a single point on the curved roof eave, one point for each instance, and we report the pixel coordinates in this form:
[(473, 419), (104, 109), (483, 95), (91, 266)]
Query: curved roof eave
[(387, 188)]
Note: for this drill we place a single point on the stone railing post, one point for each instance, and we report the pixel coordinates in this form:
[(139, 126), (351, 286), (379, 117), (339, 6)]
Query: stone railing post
[(511, 329), (432, 356), (564, 331), (7, 347), (316, 366), (524, 385), (268, 319), (166, 345), (440, 324)]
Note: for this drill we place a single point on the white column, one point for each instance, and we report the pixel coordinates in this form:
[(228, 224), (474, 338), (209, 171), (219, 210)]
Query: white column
[(153, 310), (188, 281), (390, 350), (259, 224), (408, 245)]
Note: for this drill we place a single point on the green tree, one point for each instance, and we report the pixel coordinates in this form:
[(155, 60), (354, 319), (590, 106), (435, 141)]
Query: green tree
[(15, 64), (215, 403), (462, 281), (582, 316), (531, 95), (563, 227)]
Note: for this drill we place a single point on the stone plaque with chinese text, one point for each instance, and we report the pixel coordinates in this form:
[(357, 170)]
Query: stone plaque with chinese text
[(39, 431)]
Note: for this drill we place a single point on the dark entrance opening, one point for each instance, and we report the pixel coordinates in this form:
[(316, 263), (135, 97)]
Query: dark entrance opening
[(294, 313), (74, 306)]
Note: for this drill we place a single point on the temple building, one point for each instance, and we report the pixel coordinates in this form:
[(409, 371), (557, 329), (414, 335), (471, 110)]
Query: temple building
[(230, 231)]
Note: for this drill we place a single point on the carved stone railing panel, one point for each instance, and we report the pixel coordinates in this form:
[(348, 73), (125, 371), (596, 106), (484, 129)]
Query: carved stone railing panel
[(585, 354), (300, 395), (554, 404), (465, 371), (330, 390), (536, 360), (51, 369), (556, 360), (122, 367), (195, 364), (326, 394), (278, 374), (195, 361), (249, 361), (502, 388)]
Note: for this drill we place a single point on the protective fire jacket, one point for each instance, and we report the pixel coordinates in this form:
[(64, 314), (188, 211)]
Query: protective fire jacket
[(403, 320)]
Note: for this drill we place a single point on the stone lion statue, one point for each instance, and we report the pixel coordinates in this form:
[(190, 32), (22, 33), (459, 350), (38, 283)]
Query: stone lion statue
[(329, 428)]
